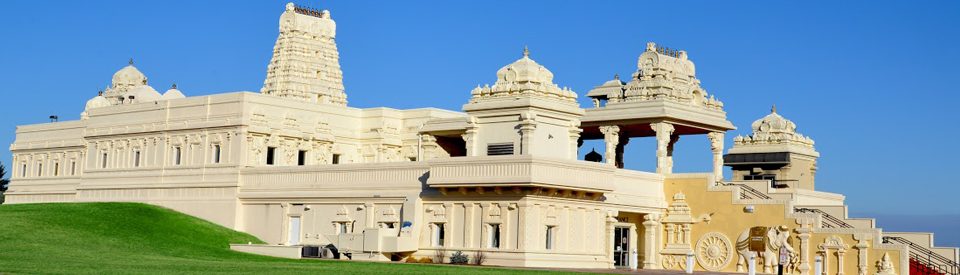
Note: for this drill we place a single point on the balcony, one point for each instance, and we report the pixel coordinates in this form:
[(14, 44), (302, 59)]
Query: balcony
[(521, 171)]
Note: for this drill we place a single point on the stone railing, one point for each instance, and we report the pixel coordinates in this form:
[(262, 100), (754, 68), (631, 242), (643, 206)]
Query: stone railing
[(521, 171)]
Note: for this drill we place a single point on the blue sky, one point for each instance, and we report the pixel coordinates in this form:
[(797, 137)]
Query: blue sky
[(873, 82)]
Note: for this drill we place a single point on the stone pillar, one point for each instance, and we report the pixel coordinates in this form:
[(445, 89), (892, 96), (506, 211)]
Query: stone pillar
[(716, 144), (804, 233), (673, 140), (664, 131), (862, 246), (611, 221), (470, 137), (528, 124), (650, 226), (469, 224), (840, 253), (428, 144), (574, 138), (611, 136), (620, 146)]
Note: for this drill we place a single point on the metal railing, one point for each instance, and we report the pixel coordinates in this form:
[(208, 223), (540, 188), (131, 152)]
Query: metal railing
[(933, 260), (747, 192), (829, 220)]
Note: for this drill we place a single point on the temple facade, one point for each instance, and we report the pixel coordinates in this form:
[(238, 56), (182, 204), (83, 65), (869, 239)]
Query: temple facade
[(297, 167)]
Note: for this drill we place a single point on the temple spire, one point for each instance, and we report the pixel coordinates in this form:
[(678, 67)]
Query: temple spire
[(526, 51), (774, 108), (131, 61)]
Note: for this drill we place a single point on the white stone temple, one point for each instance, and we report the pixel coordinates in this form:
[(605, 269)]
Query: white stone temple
[(297, 167)]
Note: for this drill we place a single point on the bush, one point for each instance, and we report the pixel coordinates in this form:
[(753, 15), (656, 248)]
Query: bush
[(426, 260), (440, 254), (479, 257), (412, 259), (459, 258)]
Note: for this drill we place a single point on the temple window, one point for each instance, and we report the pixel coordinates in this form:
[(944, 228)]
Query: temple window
[(56, 169), (550, 236), (493, 237), (136, 158), (216, 153), (438, 234), (39, 169), (271, 151), (176, 155), (73, 168), (336, 159), (302, 158), (104, 164)]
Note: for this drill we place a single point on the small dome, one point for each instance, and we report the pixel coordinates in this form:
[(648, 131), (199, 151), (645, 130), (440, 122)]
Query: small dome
[(97, 102), (144, 93), (613, 83), (525, 70), (593, 156), (173, 93), (128, 76), (774, 123)]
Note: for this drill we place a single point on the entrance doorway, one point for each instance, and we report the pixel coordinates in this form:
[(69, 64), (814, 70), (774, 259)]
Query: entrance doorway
[(294, 231), (621, 247)]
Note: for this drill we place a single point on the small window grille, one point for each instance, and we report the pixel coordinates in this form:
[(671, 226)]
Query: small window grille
[(499, 149)]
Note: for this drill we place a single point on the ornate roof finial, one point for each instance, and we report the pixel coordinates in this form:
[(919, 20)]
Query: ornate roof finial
[(526, 51), (616, 76), (100, 93), (174, 86), (774, 109), (131, 61)]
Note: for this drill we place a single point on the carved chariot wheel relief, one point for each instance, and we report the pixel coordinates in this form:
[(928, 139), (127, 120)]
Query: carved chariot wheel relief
[(714, 251)]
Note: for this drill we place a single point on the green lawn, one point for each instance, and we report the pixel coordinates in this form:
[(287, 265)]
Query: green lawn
[(131, 238)]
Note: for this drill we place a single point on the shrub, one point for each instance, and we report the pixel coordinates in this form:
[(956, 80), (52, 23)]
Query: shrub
[(426, 260), (440, 254), (479, 257), (459, 258), (412, 259)]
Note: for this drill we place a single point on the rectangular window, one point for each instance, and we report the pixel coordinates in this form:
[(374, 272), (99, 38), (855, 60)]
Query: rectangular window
[(136, 158), (104, 160), (56, 169), (73, 168), (302, 158), (216, 153), (550, 234), (23, 172), (494, 236), (336, 159), (176, 155), (342, 228), (39, 169), (500, 149), (438, 234), (270, 152), (412, 158)]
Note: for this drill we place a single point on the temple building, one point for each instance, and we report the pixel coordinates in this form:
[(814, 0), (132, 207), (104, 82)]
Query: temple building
[(297, 167)]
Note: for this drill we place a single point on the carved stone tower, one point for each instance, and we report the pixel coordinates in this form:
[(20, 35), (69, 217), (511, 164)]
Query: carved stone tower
[(305, 64), (774, 152)]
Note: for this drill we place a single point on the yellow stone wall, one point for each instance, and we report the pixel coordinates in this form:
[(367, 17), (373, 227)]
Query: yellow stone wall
[(731, 220)]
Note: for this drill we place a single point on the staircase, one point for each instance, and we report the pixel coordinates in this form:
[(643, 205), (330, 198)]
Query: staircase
[(924, 261)]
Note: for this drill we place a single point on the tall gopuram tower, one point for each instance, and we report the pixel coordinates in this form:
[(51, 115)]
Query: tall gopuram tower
[(305, 64), (775, 152)]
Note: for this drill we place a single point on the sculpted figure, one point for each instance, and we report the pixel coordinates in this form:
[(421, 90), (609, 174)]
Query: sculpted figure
[(776, 238)]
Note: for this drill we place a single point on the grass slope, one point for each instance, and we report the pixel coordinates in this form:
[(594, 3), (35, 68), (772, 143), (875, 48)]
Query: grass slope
[(131, 238)]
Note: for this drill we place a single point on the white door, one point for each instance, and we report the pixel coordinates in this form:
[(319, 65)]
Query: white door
[(294, 230)]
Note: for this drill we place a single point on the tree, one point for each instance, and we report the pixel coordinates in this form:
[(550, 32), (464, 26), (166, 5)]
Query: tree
[(4, 182)]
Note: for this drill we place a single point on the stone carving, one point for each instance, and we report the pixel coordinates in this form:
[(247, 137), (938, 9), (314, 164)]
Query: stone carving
[(836, 243), (776, 237), (525, 76), (774, 129), (885, 265), (714, 251), (678, 262)]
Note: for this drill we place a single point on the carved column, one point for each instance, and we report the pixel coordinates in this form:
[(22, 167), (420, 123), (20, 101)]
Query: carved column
[(804, 232), (469, 224), (611, 226), (716, 144), (429, 146), (664, 131), (650, 224), (469, 137), (611, 136), (528, 124), (620, 146), (862, 246), (574, 138), (673, 140), (840, 253)]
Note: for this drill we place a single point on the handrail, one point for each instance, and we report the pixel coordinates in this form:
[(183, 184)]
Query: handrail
[(836, 222), (927, 257), (747, 192)]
